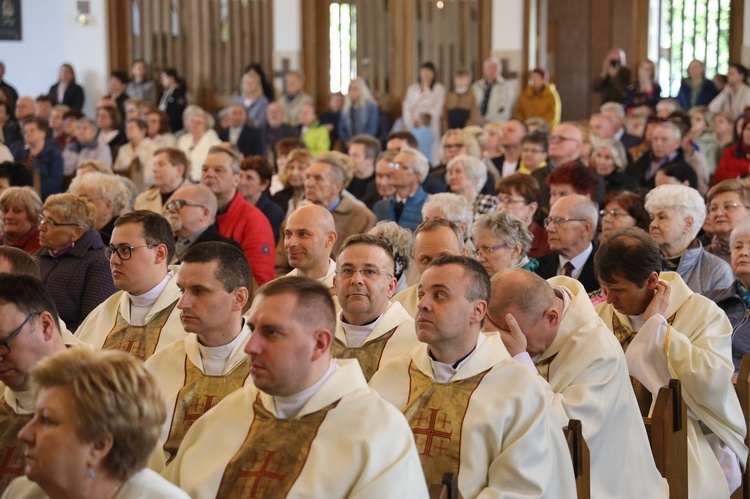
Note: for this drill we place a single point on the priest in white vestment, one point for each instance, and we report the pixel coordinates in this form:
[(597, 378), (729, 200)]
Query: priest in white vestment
[(309, 235), (308, 426), (670, 332), (196, 373), (474, 411), (141, 318), (551, 327)]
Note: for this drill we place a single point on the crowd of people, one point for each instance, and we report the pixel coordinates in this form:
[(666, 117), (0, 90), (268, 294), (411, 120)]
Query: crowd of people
[(332, 303)]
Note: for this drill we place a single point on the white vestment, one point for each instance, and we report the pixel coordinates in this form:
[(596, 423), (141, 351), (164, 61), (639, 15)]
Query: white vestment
[(347, 441), (108, 325), (492, 421), (392, 336), (175, 368), (408, 298), (696, 349), (326, 280), (587, 379)]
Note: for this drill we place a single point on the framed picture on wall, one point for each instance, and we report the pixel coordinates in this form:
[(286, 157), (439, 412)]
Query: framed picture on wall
[(10, 19)]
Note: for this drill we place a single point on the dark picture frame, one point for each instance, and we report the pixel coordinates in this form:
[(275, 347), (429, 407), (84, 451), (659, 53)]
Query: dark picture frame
[(10, 20)]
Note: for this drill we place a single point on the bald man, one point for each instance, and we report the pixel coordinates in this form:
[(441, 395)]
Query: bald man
[(191, 211), (309, 236), (552, 328)]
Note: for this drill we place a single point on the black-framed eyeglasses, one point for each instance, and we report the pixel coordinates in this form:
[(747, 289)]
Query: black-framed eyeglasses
[(561, 220), (367, 273), (124, 252), (457, 145), (52, 224), (5, 344), (178, 204)]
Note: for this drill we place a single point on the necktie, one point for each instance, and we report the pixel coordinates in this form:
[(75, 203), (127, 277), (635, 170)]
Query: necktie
[(568, 269), (399, 209), (486, 99)]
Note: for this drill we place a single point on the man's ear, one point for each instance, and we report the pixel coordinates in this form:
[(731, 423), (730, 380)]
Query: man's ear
[(652, 280)]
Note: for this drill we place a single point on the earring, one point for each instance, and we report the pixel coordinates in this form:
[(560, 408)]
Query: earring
[(73, 244), (91, 474)]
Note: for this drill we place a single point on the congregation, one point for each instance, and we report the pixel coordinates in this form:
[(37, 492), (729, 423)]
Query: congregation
[(277, 300)]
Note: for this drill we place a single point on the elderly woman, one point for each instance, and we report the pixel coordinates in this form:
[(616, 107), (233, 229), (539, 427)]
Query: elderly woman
[(502, 242), (728, 204), (200, 138), (20, 208), (109, 196), (401, 242), (623, 209), (734, 300), (677, 213), (466, 175), (99, 414), (293, 178), (451, 206), (254, 180), (609, 161), (74, 269), (520, 194), (572, 178), (135, 160)]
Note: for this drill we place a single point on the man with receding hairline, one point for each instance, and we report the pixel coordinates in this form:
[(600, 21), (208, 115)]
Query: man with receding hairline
[(309, 236), (552, 328), (308, 426)]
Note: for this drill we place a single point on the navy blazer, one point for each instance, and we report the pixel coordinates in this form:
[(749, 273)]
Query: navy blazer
[(249, 143), (548, 265), (73, 97)]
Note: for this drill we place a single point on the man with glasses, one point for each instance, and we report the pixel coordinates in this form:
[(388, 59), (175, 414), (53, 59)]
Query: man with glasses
[(191, 211), (408, 169), (565, 146), (29, 332), (571, 227), (370, 328), (309, 236), (141, 318)]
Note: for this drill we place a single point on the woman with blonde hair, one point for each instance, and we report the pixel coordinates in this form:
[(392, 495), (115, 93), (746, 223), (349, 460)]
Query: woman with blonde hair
[(20, 208), (109, 195), (74, 269), (293, 179), (200, 137), (99, 415), (360, 113)]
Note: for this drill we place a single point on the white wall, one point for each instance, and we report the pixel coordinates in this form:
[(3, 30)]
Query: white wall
[(50, 37), (507, 25)]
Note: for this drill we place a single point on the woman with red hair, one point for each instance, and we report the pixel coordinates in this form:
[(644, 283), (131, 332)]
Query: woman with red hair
[(572, 178)]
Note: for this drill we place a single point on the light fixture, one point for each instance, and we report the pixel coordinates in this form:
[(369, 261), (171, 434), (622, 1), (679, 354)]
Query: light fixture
[(84, 9), (440, 4)]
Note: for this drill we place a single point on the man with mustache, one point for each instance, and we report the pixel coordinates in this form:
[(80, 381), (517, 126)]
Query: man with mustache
[(196, 373)]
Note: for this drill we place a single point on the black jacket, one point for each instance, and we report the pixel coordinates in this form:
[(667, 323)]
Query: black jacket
[(73, 97), (548, 265), (249, 143)]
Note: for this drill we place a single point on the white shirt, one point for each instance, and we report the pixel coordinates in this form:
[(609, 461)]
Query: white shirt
[(140, 305), (578, 261), (442, 373), (288, 407)]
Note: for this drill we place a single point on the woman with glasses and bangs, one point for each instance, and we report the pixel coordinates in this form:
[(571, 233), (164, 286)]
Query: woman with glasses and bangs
[(520, 194), (74, 269), (728, 204)]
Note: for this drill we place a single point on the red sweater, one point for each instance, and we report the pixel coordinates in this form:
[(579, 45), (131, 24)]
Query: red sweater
[(730, 166), (247, 225)]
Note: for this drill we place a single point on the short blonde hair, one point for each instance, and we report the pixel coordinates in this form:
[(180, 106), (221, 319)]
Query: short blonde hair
[(298, 155), (72, 209), (112, 393), (99, 166), (466, 137), (24, 196), (105, 186)]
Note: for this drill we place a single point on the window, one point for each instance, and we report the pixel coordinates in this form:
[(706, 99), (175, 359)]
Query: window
[(683, 30), (343, 34)]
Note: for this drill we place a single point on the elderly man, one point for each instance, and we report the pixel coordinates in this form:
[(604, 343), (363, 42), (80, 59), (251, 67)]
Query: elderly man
[(141, 318), (666, 148), (237, 219), (86, 146), (565, 146), (30, 332), (170, 172), (571, 227), (346, 441), (495, 95), (602, 126), (247, 139), (275, 128), (370, 328), (433, 238), (191, 211), (25, 108), (363, 149), (670, 332), (551, 327), (616, 113), (294, 97), (309, 236), (467, 401), (408, 169), (196, 373), (382, 178)]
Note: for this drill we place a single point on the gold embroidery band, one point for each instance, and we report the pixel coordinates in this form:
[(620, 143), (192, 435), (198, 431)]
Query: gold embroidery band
[(140, 341), (368, 355)]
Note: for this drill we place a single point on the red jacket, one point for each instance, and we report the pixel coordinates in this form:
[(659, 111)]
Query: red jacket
[(730, 166), (247, 225)]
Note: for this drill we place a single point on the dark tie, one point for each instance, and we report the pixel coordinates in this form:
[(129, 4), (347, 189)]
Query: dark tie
[(399, 209), (486, 99), (568, 269)]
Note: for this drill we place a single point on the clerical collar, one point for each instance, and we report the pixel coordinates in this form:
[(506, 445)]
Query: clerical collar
[(442, 373), (21, 402), (334, 205), (636, 322), (356, 335), (141, 304), (215, 359), (288, 407)]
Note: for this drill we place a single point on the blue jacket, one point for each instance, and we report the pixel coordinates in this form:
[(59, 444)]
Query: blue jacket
[(731, 303), (48, 163), (411, 216), (706, 94), (365, 121)]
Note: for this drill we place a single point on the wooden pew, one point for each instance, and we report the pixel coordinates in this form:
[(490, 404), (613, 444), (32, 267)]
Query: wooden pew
[(579, 453), (742, 387), (446, 489), (667, 432)]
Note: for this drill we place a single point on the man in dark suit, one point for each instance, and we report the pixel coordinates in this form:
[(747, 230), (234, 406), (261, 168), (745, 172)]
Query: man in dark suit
[(616, 113), (247, 139), (570, 229), (191, 211)]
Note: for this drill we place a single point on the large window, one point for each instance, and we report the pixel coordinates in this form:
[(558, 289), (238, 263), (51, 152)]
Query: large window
[(343, 46), (683, 30)]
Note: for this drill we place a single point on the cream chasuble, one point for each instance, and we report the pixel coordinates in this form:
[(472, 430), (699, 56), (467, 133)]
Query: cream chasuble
[(492, 423), (393, 335), (409, 299), (108, 325), (345, 442), (188, 392), (698, 352), (15, 411)]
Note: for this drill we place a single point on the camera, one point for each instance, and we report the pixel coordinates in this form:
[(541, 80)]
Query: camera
[(614, 63)]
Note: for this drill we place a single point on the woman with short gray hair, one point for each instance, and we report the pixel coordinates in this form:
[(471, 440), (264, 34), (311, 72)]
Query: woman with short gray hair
[(466, 175), (502, 242)]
